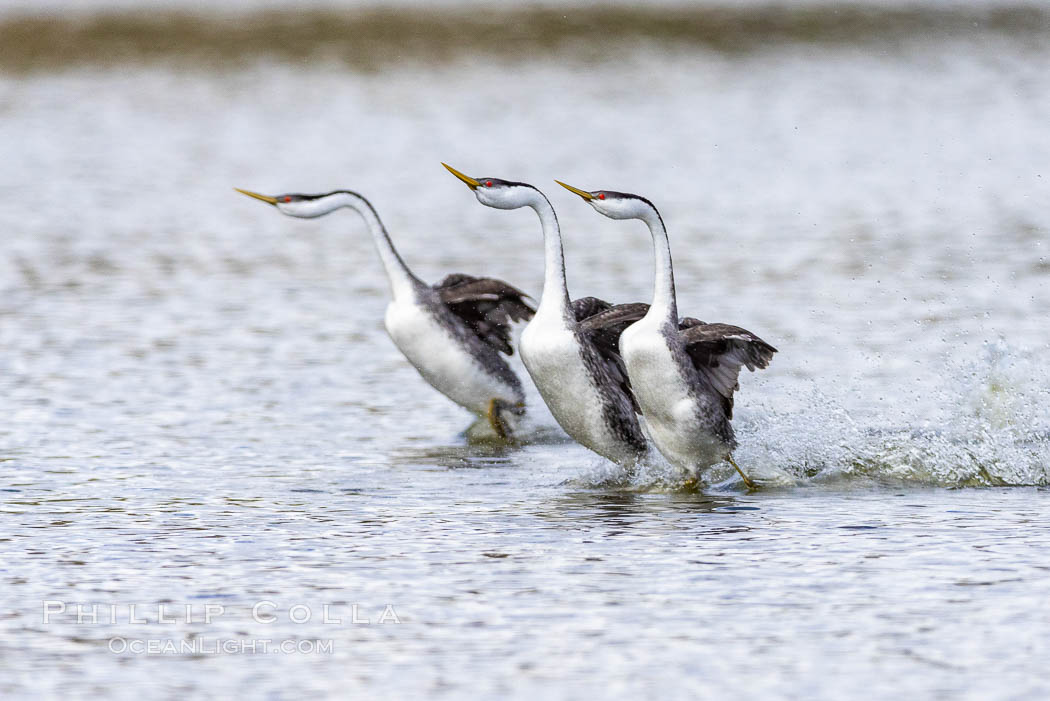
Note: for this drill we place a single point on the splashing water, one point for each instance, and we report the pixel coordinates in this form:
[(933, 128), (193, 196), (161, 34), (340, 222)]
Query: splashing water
[(990, 430)]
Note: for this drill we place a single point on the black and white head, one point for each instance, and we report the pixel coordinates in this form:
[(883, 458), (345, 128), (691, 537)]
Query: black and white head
[(501, 194), (304, 206), (615, 205)]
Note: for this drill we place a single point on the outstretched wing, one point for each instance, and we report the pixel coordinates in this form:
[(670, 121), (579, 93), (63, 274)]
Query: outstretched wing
[(718, 351), (603, 328), (487, 306)]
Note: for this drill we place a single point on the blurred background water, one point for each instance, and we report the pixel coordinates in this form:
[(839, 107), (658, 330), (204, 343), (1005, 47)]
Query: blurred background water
[(198, 403)]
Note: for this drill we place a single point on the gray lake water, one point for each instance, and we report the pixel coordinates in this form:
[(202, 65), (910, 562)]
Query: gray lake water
[(200, 413)]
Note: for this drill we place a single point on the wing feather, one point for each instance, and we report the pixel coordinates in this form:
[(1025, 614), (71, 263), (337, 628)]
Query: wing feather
[(587, 306), (486, 305), (718, 351), (603, 328)]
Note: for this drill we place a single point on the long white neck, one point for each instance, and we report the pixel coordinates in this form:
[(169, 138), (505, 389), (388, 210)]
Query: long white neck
[(403, 283), (555, 297), (664, 305)]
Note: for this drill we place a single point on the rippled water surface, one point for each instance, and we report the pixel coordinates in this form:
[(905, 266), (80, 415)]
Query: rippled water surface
[(199, 406)]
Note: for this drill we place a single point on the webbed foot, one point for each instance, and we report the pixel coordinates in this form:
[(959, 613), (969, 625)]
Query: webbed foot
[(495, 420), (747, 480), (497, 415)]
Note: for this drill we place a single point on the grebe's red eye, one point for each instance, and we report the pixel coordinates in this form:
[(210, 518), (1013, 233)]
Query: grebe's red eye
[(287, 199), (601, 196), (488, 183)]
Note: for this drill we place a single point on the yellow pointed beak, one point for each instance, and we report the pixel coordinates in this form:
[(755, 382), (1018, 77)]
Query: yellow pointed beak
[(471, 182), (256, 195), (582, 193)]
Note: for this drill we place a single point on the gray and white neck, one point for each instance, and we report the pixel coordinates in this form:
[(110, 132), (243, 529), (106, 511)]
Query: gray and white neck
[(403, 283), (555, 297), (664, 305)]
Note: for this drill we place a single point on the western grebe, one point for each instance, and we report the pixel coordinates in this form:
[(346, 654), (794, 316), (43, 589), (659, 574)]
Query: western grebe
[(452, 332), (571, 349), (683, 371)]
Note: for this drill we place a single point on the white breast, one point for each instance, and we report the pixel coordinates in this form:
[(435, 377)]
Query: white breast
[(670, 410), (442, 360), (551, 354)]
